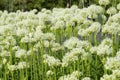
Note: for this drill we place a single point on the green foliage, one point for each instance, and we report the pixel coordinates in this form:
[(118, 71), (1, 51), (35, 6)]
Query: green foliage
[(13, 5)]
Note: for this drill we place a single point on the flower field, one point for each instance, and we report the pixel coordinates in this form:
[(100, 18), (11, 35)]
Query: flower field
[(61, 44)]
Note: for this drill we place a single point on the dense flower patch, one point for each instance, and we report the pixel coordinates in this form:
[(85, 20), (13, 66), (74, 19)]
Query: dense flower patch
[(61, 44)]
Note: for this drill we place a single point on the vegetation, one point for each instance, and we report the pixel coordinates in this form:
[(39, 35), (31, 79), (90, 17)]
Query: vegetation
[(72, 43), (25, 5)]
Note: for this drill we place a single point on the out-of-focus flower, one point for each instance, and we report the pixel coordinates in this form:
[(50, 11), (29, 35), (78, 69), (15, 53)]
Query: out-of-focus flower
[(104, 2), (51, 61), (112, 10), (118, 6), (22, 65), (20, 53)]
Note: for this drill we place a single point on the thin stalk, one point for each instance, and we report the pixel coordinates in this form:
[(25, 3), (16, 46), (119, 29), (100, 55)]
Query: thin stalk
[(95, 40)]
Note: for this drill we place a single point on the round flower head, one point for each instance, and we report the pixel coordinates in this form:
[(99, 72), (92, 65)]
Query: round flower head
[(111, 11), (49, 73), (12, 67), (118, 6), (104, 2), (50, 60), (20, 53), (22, 65), (71, 43), (86, 78), (73, 76), (108, 77)]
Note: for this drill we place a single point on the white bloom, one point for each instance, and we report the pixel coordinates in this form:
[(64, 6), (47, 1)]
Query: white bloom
[(108, 77), (83, 32), (95, 27), (71, 43), (72, 56), (112, 10), (49, 73), (116, 73), (49, 36), (20, 53), (15, 48), (112, 28), (58, 25), (105, 48), (93, 49), (12, 67), (56, 46), (22, 65), (118, 6), (86, 78), (50, 60), (73, 76), (5, 53), (25, 39), (112, 63), (104, 2), (94, 10), (107, 41), (46, 43), (4, 61), (21, 32)]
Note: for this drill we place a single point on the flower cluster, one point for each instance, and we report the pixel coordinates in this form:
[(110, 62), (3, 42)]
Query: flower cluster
[(61, 44), (73, 76)]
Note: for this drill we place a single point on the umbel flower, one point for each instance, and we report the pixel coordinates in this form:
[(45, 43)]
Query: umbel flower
[(118, 6), (72, 56), (104, 2), (73, 76), (86, 78), (111, 11), (113, 63), (51, 61), (105, 48)]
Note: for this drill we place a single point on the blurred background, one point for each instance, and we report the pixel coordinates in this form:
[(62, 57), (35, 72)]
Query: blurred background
[(26, 5)]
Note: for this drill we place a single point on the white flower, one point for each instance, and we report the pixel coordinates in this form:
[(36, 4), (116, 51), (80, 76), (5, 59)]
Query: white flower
[(25, 39), (93, 10), (60, 24), (83, 32), (112, 10), (108, 77), (107, 41), (12, 67), (72, 56), (71, 43), (113, 63), (5, 53), (118, 6), (104, 2), (20, 53), (73, 76), (46, 43), (95, 27), (49, 36), (56, 46), (93, 49), (22, 65), (4, 61), (21, 32), (105, 48), (49, 73), (50, 60), (116, 73), (86, 78), (15, 48), (112, 28)]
